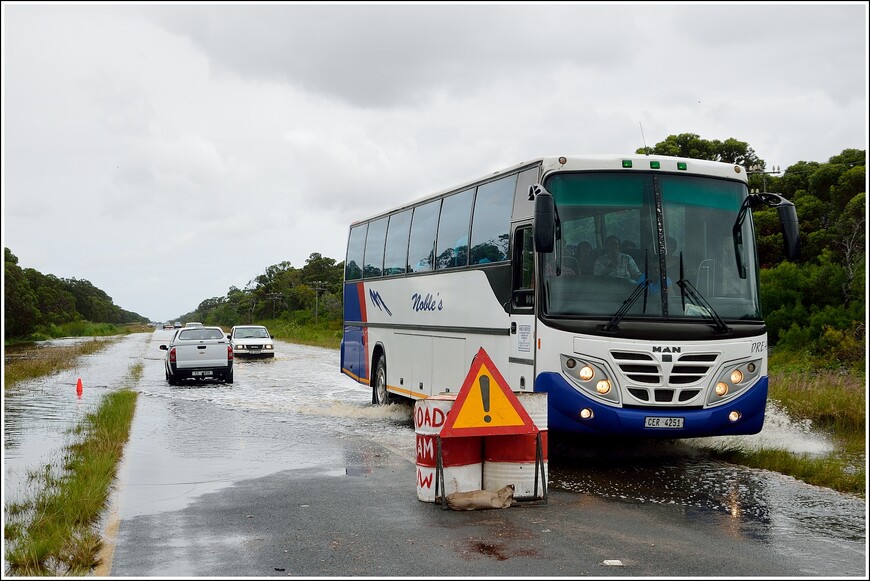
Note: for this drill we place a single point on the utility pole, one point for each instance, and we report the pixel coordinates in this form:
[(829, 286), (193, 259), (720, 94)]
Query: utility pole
[(757, 169), (274, 297), (318, 286)]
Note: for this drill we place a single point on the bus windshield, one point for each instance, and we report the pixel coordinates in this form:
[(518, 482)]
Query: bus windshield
[(670, 233)]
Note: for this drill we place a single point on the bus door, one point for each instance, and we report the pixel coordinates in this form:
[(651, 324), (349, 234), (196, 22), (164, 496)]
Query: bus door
[(522, 311)]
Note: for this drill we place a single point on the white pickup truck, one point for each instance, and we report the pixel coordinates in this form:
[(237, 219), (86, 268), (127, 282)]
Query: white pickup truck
[(198, 353)]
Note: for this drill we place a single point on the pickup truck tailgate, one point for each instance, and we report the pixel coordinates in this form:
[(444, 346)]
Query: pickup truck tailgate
[(204, 354)]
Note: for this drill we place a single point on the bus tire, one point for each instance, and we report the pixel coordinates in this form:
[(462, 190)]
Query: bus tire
[(380, 395)]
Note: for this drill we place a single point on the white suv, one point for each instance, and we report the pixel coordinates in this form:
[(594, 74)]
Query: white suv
[(253, 340)]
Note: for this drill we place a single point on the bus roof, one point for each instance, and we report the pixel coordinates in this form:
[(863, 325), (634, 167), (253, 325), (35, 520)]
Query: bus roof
[(596, 162)]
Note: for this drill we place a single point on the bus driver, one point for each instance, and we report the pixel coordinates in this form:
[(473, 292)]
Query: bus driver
[(616, 263)]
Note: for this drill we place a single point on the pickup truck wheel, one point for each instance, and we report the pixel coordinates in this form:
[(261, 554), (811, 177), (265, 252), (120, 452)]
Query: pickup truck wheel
[(380, 395), (229, 376)]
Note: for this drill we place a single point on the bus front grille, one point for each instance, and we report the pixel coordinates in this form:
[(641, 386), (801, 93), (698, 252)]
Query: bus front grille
[(654, 384)]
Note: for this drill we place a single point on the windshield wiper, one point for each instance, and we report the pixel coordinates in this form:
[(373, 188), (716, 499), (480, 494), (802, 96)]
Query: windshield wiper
[(613, 324), (706, 308)]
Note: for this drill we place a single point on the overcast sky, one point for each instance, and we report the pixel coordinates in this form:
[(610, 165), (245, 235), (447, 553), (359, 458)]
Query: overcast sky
[(166, 152)]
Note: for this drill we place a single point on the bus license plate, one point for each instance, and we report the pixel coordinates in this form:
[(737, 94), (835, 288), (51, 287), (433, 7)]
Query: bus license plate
[(653, 422), (208, 372)]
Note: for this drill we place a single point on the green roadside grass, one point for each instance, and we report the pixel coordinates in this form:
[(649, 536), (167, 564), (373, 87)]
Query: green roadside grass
[(326, 335), (55, 531), (835, 404), (29, 361)]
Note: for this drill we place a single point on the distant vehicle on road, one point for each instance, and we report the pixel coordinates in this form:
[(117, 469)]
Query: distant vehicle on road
[(177, 324), (168, 325), (252, 340), (193, 324), (198, 353)]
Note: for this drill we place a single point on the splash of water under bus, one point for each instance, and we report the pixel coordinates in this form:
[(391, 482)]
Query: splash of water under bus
[(779, 432)]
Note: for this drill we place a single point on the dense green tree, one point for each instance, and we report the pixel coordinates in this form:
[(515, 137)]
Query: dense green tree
[(325, 271), (851, 246), (37, 301), (850, 157), (56, 304), (691, 145), (20, 311), (850, 183)]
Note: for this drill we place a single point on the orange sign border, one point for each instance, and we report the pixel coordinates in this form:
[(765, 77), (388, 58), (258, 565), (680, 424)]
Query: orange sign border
[(448, 431)]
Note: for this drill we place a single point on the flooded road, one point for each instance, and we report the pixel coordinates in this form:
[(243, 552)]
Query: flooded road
[(297, 412)]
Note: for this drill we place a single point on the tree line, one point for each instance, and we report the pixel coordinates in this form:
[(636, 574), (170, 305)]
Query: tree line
[(37, 303), (814, 306), (301, 296)]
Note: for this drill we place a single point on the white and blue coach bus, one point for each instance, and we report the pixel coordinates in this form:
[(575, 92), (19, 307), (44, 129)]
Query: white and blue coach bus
[(625, 287)]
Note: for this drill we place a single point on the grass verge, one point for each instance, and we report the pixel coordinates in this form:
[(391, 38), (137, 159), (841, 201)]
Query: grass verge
[(318, 336), (56, 532)]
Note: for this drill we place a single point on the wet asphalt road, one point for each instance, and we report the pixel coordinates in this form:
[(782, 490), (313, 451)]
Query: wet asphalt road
[(353, 511), (364, 520), (307, 479), (291, 471)]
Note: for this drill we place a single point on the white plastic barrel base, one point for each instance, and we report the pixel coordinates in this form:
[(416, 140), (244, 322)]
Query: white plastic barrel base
[(497, 475), (456, 479)]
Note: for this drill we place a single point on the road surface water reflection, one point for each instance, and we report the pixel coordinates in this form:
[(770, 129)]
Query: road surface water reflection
[(277, 412)]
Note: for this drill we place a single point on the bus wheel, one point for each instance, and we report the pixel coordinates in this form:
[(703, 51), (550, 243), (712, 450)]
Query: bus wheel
[(380, 395)]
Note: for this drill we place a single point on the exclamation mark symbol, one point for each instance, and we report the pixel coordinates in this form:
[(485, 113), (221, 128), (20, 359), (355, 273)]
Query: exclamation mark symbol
[(484, 393)]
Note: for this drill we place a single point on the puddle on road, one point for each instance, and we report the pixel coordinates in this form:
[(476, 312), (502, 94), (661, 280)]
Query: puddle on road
[(38, 414)]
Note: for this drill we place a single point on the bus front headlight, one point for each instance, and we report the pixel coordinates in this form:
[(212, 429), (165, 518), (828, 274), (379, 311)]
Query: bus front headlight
[(591, 377), (733, 380)]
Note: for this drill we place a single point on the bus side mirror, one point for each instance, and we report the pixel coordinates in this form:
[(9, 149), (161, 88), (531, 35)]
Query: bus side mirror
[(790, 229), (787, 217), (545, 219)]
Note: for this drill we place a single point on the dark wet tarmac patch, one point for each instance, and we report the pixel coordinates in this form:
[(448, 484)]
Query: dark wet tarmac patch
[(499, 551), (357, 471)]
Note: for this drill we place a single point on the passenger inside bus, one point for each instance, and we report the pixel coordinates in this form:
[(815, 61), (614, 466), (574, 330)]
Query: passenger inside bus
[(616, 263), (568, 265), (583, 254)]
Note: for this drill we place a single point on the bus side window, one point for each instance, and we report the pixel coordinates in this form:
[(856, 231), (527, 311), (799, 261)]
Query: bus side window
[(421, 248), (524, 268), (355, 245), (374, 254), (451, 248), (396, 253), (490, 226)]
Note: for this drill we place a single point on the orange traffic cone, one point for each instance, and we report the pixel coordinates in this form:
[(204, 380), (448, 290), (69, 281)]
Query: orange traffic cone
[(79, 387)]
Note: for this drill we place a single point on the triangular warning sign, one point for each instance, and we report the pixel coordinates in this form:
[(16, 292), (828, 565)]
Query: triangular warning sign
[(486, 406)]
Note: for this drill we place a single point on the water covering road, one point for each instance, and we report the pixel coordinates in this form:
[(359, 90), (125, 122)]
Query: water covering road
[(209, 436)]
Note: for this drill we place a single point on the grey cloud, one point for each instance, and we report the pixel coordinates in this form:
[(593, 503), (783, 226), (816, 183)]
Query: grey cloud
[(382, 55)]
